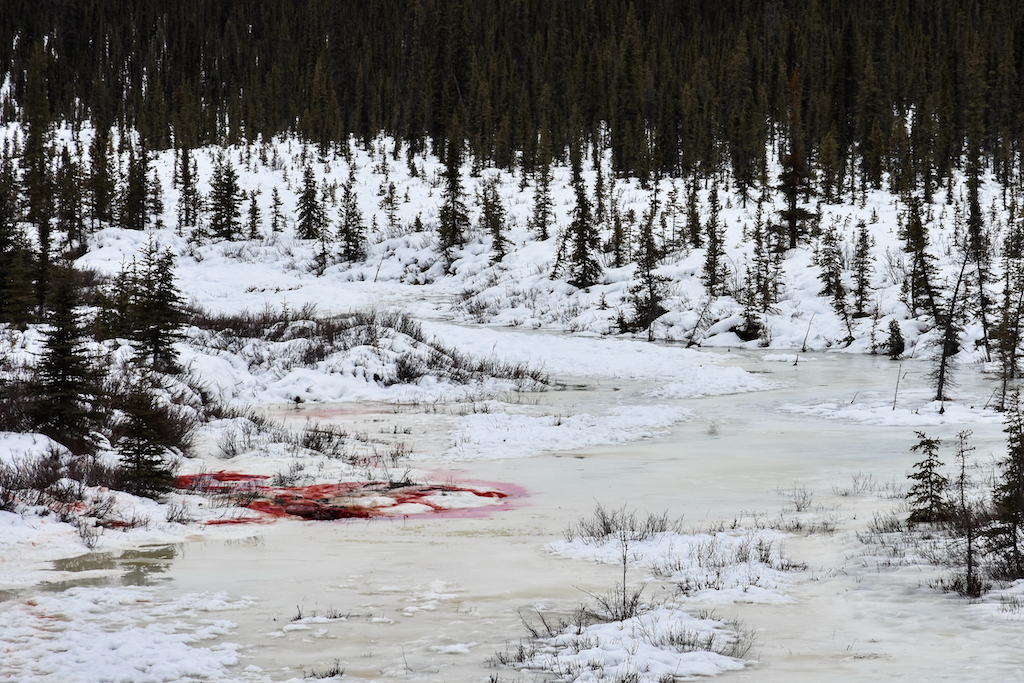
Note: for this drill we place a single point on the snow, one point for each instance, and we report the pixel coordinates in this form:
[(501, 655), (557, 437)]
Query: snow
[(642, 648), (504, 435), (615, 399), (736, 566), (117, 634)]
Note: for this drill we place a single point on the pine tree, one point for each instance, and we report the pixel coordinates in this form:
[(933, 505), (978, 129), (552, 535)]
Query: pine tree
[(312, 221), (145, 470), (584, 268), (10, 237), (894, 344), (693, 226), (453, 219), (766, 273), (276, 214), (160, 310), (134, 206), (927, 495), (35, 163), (1006, 536), (966, 520), (795, 175), (65, 392), (389, 205), (1007, 331), (68, 185), (225, 200), (918, 290), (189, 200), (950, 325), (492, 217), (102, 179), (351, 227), (542, 216), (978, 250), (649, 289), (255, 217), (862, 269), (714, 273)]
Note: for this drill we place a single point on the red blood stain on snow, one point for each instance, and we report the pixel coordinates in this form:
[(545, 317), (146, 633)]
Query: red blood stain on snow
[(347, 500)]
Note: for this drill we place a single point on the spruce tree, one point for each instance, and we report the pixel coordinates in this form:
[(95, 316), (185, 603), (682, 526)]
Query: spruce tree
[(649, 289), (978, 250), (693, 226), (862, 268), (66, 391), (102, 179), (542, 215), (1009, 320), (160, 310), (35, 162), (894, 344), (830, 259), (765, 273), (312, 217), (224, 203), (277, 219), (10, 238), (795, 175), (255, 217), (492, 217), (155, 201), (10, 210), (584, 268), (145, 470), (918, 290), (189, 200), (119, 304), (1006, 536), (927, 495), (453, 219), (966, 519), (714, 273), (389, 205), (950, 326), (351, 227), (134, 205), (68, 185), (20, 308)]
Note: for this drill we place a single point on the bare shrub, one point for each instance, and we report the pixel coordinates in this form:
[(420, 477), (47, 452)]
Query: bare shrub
[(606, 524), (800, 497), (391, 331), (335, 670)]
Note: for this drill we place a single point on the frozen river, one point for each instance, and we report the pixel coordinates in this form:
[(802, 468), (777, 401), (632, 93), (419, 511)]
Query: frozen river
[(432, 598)]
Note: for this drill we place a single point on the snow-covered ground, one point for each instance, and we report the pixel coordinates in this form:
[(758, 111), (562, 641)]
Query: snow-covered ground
[(727, 438)]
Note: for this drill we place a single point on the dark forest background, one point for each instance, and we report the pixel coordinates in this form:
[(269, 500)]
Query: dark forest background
[(672, 87)]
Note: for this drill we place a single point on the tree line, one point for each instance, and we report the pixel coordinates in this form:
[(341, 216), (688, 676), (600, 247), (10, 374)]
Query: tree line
[(909, 87)]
